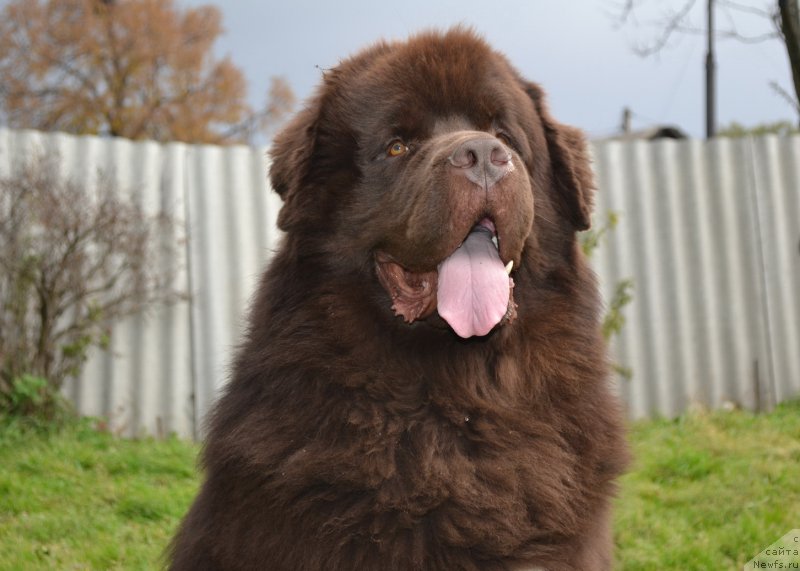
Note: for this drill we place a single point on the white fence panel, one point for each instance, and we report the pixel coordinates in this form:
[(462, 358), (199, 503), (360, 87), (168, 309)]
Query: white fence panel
[(777, 184), (231, 234), (709, 233)]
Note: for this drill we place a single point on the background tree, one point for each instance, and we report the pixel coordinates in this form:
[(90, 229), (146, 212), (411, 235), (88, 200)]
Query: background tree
[(789, 11), (781, 128), (782, 19), (73, 262), (141, 69)]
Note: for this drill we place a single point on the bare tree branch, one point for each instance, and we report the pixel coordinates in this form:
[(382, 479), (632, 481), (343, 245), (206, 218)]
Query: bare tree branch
[(676, 22), (783, 17), (74, 263), (620, 12), (762, 12), (673, 24)]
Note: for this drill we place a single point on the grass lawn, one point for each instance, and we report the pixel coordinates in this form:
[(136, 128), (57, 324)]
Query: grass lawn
[(707, 491), (83, 499)]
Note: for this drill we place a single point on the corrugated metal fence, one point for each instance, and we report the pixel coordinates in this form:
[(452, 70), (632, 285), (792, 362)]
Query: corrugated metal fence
[(709, 233)]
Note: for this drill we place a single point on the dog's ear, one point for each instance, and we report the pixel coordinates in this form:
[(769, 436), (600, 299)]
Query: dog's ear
[(290, 156), (569, 160)]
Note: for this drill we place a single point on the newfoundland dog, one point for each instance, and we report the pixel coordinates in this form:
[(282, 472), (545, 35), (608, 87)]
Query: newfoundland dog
[(423, 384)]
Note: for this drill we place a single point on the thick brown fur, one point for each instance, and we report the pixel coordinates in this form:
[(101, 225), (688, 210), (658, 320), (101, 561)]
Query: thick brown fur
[(351, 439)]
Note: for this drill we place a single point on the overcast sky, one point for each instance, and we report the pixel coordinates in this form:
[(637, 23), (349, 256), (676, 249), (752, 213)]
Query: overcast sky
[(571, 47)]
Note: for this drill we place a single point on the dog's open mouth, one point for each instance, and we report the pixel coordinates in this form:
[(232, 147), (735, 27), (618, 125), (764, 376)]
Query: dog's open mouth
[(471, 288)]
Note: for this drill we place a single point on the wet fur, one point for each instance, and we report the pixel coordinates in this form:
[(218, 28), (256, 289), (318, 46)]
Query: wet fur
[(349, 439)]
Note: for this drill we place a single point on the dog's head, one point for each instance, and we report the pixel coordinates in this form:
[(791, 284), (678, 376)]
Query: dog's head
[(436, 163)]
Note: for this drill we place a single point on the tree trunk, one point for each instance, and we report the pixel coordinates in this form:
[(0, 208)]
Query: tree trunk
[(790, 26)]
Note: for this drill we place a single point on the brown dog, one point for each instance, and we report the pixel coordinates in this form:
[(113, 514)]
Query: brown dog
[(423, 384)]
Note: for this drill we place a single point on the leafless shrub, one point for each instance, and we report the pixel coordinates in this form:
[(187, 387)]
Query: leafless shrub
[(73, 262)]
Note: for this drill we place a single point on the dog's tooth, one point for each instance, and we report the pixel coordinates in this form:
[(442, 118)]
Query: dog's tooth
[(494, 241), (509, 266)]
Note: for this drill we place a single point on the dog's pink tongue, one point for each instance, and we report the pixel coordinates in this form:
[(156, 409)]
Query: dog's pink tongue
[(473, 288)]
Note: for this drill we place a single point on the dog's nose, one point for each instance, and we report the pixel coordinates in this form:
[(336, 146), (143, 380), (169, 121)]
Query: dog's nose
[(483, 160)]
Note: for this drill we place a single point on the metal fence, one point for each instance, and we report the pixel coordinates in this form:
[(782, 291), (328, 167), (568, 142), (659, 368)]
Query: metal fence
[(709, 233)]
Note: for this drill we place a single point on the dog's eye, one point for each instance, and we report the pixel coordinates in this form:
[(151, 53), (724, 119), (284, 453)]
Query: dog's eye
[(396, 149), (506, 139)]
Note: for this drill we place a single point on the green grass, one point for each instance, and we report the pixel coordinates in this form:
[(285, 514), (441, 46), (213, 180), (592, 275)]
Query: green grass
[(82, 499), (707, 491)]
